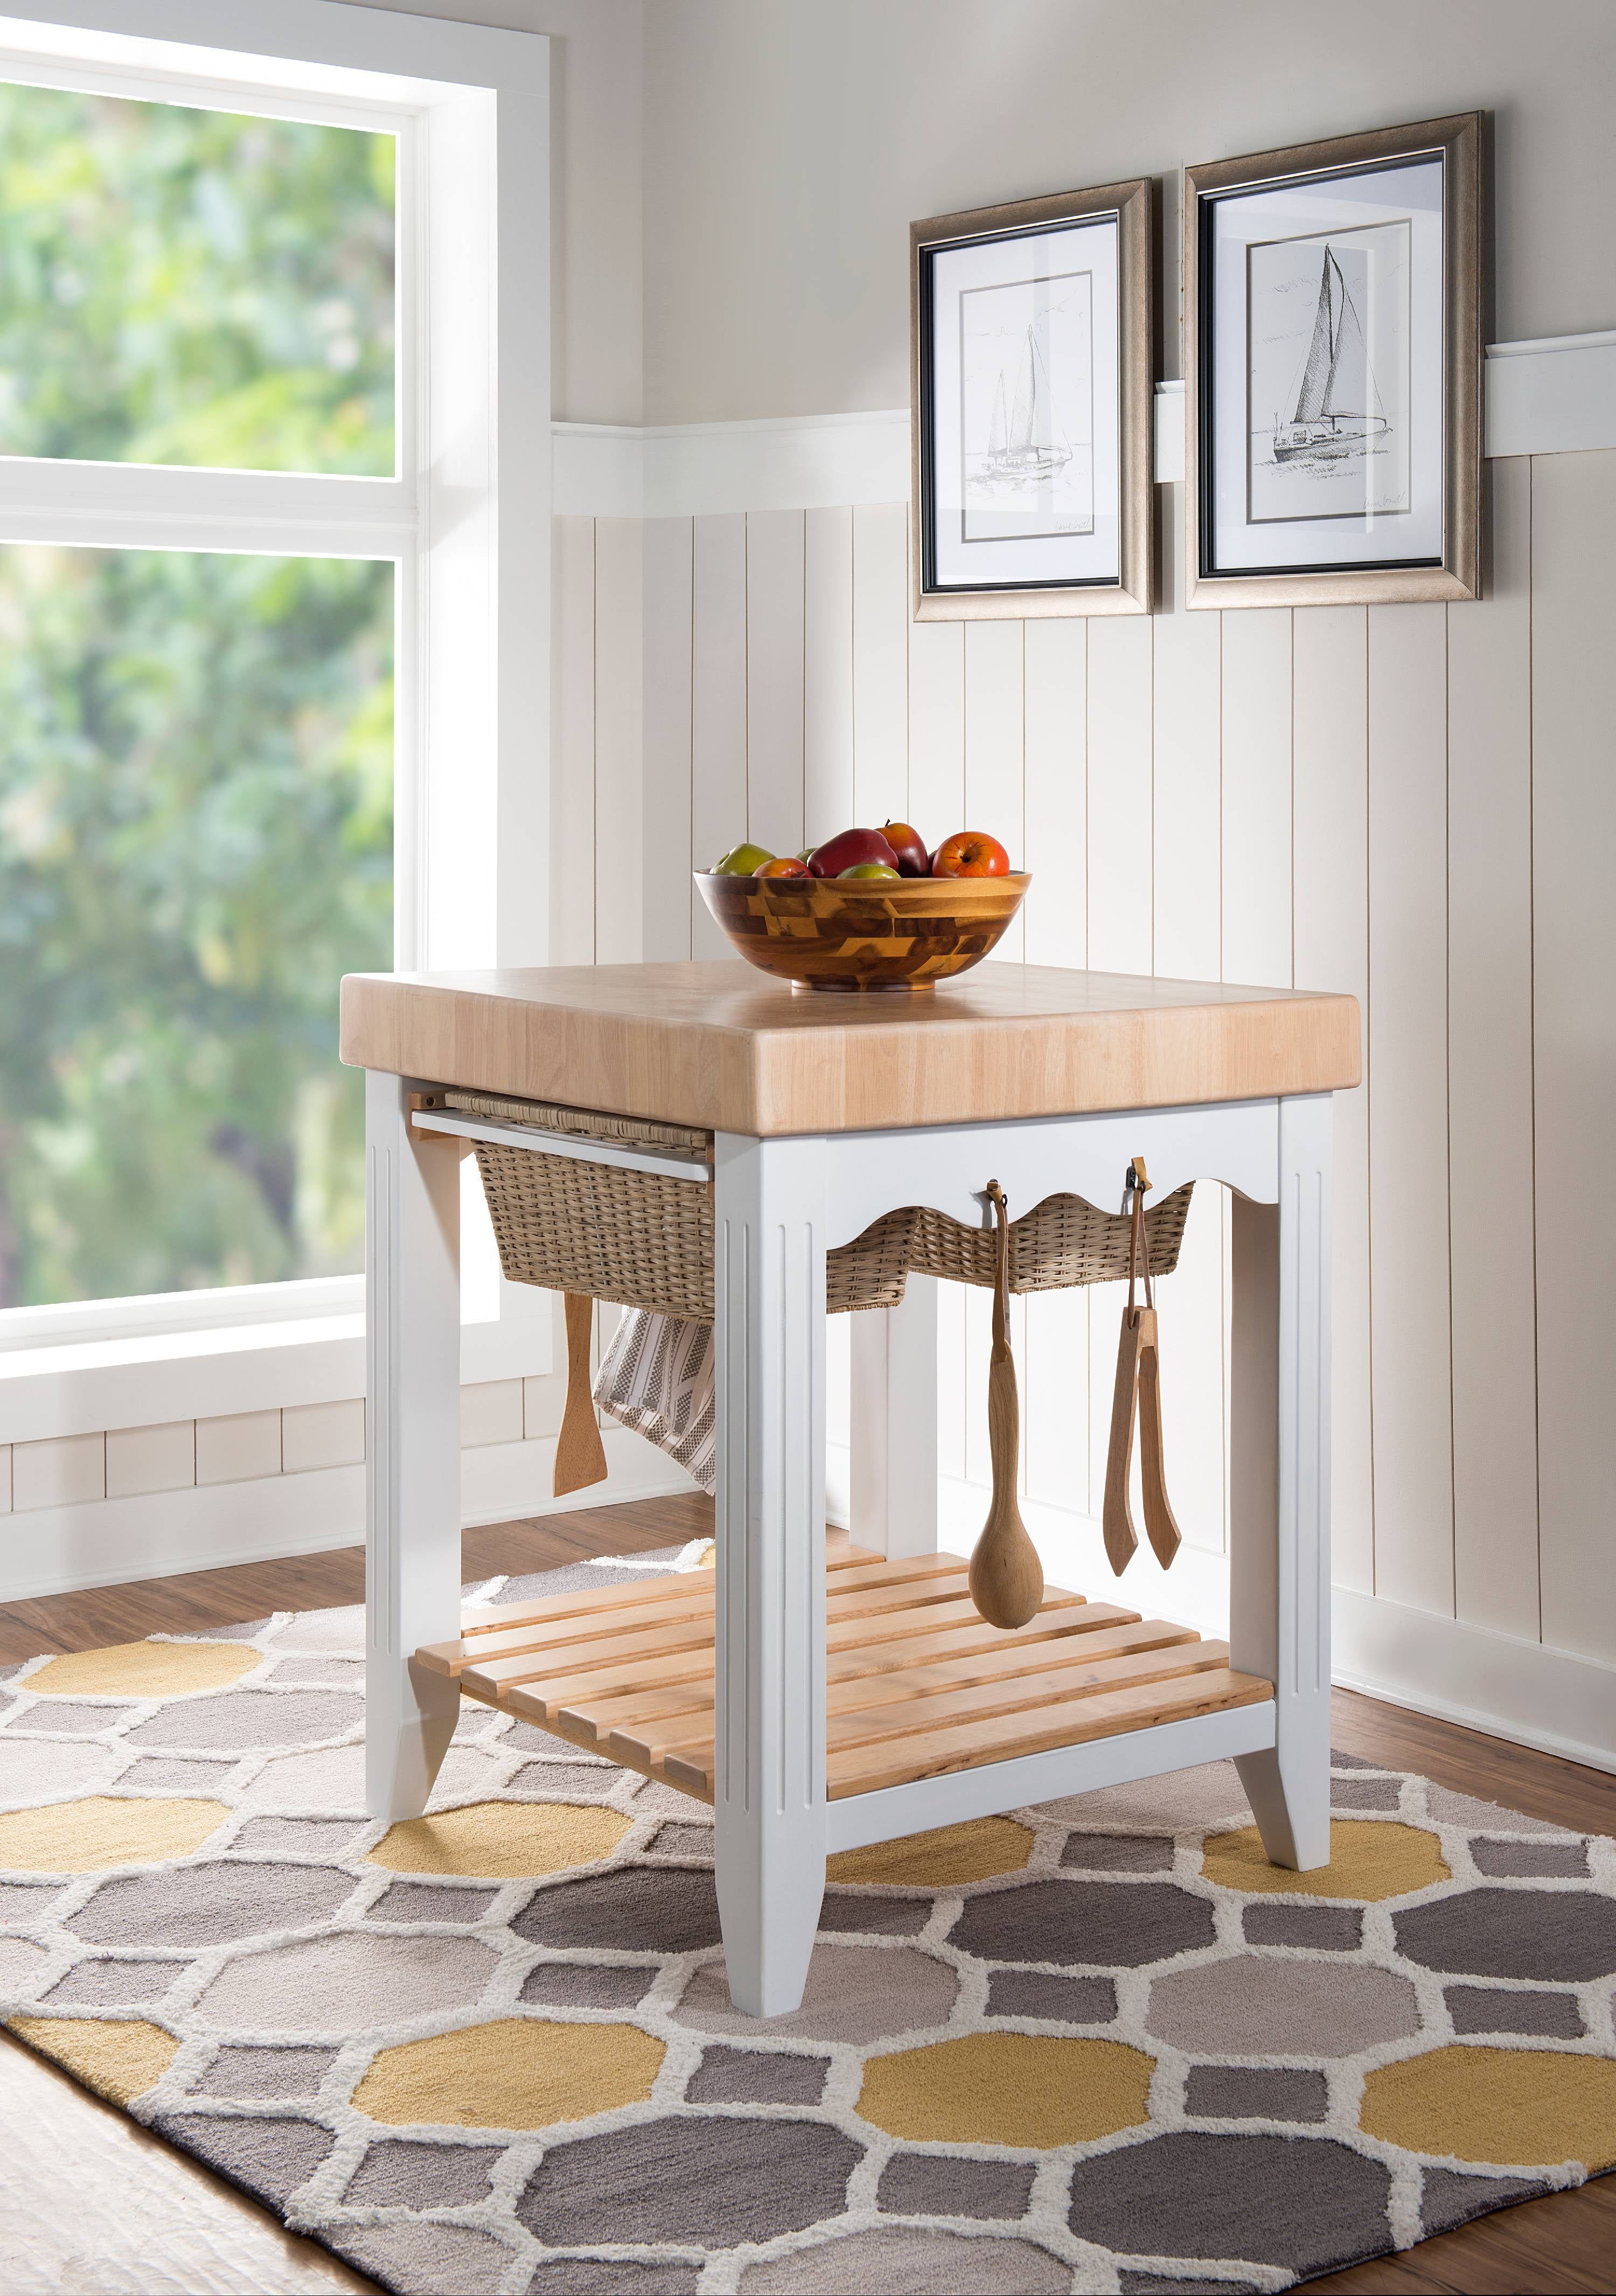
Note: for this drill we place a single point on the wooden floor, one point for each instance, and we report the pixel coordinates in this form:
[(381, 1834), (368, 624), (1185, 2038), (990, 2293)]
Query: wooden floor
[(1561, 2246)]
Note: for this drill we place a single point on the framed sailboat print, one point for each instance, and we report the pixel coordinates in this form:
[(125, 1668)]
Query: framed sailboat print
[(1031, 417), (1333, 330)]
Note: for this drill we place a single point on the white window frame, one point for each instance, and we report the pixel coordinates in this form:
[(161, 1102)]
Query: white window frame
[(465, 521)]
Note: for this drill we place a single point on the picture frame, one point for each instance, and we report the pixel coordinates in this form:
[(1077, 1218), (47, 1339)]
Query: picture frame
[(1333, 355), (1030, 406)]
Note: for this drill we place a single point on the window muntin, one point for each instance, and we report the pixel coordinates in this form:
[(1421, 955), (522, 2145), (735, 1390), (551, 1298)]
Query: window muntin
[(196, 817), (183, 286)]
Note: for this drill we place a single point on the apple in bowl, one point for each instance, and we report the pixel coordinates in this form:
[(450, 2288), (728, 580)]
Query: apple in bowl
[(970, 853), (910, 846), (847, 849)]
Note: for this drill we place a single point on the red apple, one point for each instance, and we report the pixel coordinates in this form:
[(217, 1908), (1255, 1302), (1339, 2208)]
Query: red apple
[(787, 865), (970, 853), (913, 860), (840, 852)]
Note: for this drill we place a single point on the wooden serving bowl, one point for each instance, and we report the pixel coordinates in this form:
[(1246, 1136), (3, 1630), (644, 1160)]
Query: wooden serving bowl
[(830, 932)]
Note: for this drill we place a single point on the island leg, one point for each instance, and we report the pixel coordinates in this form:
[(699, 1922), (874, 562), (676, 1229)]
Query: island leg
[(1279, 1484), (412, 1576), (894, 1423), (769, 1210)]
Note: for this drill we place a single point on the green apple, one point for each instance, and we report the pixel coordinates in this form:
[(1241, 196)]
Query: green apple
[(742, 861), (867, 869)]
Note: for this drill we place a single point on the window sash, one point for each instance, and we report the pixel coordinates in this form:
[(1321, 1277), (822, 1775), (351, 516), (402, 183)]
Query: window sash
[(465, 521)]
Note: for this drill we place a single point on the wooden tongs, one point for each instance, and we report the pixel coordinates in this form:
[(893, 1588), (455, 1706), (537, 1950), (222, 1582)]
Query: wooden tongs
[(1138, 1380), (1007, 1578)]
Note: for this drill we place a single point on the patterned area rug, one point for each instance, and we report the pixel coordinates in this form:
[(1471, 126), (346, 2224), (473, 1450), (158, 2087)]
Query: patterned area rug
[(1097, 2045)]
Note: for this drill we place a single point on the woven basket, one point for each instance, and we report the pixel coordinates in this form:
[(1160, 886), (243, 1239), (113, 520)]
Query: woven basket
[(642, 1241)]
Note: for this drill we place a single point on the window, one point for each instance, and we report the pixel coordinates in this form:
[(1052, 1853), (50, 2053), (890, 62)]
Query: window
[(196, 803), (193, 287), (272, 488), (196, 763)]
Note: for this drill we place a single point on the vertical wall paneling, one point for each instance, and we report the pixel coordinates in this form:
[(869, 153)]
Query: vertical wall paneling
[(1489, 1083), (1409, 1250), (619, 741), (1257, 796), (1120, 903), (1188, 895), (774, 679), (937, 807), (668, 550), (1332, 951), (1186, 922), (827, 673), (717, 706), (1120, 833), (995, 745), (936, 728), (1573, 841), (880, 662), (1055, 1384), (1409, 803), (573, 743), (1056, 781), (994, 801)]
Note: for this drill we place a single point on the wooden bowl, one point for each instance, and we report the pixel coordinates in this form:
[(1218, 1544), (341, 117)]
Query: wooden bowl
[(827, 932)]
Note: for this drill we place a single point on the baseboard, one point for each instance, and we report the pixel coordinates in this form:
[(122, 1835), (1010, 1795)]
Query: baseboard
[(164, 1534), (1551, 1700), (502, 1480)]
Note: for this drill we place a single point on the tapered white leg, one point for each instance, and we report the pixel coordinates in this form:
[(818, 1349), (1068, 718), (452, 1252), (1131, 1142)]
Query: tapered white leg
[(769, 1672), (894, 1423), (1279, 1592), (412, 1448)]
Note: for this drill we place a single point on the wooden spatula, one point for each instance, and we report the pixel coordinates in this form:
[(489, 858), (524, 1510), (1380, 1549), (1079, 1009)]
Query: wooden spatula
[(1007, 1578), (580, 1456)]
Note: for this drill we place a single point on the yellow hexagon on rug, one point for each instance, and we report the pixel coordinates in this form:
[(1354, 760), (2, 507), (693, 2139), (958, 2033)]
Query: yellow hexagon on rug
[(942, 1860), (1008, 2089), (1536, 2107), (502, 1840), (104, 1830), (118, 2057), (1368, 1861), (519, 2072), (143, 1670)]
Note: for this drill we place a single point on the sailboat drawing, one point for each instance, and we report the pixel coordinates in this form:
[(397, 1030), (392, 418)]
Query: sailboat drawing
[(1334, 414), (1021, 445)]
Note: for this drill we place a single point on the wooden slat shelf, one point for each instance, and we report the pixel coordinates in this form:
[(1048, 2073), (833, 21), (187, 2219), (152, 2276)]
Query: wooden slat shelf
[(918, 1684)]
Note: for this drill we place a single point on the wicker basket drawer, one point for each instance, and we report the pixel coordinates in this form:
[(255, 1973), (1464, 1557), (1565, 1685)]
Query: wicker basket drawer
[(644, 1240)]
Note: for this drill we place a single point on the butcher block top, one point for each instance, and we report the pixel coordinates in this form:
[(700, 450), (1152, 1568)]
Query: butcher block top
[(719, 1045)]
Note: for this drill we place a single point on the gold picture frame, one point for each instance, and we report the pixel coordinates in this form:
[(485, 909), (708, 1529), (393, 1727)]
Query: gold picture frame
[(1223, 561), (1125, 559)]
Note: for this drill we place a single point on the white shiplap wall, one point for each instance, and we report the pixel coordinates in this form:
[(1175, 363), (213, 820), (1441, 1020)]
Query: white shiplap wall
[(1416, 803)]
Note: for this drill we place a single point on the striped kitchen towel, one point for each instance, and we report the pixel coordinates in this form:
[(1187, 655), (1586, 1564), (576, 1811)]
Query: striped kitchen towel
[(657, 1377)]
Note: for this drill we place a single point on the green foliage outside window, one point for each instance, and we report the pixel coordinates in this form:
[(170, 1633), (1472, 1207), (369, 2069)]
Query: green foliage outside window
[(196, 752), (196, 765), (181, 286)]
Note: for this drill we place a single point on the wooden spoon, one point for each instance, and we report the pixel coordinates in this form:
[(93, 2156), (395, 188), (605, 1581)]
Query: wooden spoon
[(1007, 1578)]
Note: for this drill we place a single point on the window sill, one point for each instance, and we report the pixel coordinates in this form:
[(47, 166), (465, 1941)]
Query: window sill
[(151, 1378), (79, 1388)]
